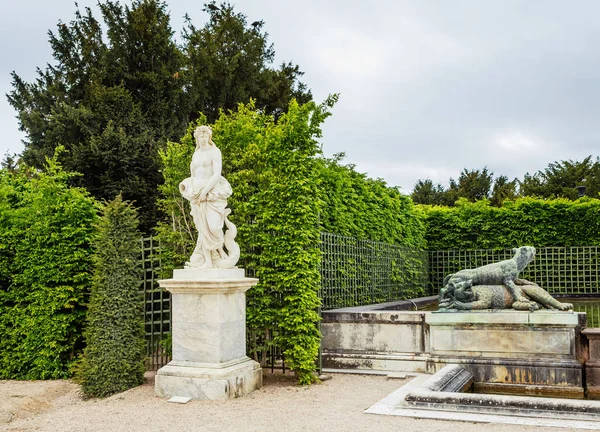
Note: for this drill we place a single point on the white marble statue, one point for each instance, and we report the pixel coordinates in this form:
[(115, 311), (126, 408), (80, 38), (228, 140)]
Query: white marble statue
[(207, 191)]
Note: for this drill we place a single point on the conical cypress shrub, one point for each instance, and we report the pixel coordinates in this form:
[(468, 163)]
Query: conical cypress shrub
[(113, 360)]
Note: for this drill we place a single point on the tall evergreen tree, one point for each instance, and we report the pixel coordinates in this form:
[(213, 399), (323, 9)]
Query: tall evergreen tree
[(229, 62), (425, 192), (503, 190), (475, 184), (144, 57), (114, 356)]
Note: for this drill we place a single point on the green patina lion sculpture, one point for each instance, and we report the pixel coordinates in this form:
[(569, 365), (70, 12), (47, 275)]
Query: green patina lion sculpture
[(497, 286)]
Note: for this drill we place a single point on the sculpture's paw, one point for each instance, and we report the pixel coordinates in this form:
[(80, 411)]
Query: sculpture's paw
[(460, 305), (566, 306), (525, 306)]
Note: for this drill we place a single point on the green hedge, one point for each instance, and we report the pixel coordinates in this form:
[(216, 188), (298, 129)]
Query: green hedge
[(275, 204), (358, 206), (525, 221), (45, 271)]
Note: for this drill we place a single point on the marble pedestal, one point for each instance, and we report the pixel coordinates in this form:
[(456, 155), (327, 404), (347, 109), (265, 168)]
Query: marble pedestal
[(209, 336)]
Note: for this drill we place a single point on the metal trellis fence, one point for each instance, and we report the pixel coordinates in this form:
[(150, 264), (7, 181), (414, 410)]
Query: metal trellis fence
[(356, 272), (157, 307)]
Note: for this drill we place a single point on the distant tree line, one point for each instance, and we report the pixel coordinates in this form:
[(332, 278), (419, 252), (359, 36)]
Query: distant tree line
[(121, 86), (559, 180)]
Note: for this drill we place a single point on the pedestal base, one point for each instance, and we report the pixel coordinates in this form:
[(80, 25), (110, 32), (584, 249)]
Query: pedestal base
[(203, 381)]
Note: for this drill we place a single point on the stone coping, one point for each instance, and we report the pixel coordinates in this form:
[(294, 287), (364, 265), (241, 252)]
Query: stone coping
[(374, 317), (209, 274), (428, 396), (487, 317), (397, 305), (221, 365), (378, 314)]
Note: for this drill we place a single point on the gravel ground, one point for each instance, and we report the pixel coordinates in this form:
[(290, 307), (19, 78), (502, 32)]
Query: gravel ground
[(333, 405)]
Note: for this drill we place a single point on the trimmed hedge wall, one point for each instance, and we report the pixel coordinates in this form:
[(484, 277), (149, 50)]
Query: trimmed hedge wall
[(525, 221), (45, 271)]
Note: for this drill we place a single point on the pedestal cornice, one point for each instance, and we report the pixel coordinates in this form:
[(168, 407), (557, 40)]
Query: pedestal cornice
[(214, 286)]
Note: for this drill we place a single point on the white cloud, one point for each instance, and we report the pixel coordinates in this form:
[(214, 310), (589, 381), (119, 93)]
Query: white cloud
[(351, 54), (517, 144)]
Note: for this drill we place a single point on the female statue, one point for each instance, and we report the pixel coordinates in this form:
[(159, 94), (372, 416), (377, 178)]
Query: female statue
[(207, 191)]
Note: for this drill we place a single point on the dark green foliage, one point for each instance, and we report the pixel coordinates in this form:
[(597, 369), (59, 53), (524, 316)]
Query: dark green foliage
[(503, 190), (560, 179), (144, 57), (111, 103), (45, 232), (229, 62), (121, 87), (525, 221), (114, 356), (425, 192), (474, 185)]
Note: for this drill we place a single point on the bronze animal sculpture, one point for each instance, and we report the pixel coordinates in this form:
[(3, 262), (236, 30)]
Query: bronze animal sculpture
[(500, 273), (497, 286)]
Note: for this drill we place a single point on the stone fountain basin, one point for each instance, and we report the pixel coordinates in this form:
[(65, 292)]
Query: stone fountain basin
[(442, 396)]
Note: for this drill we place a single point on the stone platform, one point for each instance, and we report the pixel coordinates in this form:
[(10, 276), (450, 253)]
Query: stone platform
[(209, 336), (209, 381), (512, 352)]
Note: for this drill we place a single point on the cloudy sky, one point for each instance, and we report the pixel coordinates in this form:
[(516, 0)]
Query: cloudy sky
[(428, 87)]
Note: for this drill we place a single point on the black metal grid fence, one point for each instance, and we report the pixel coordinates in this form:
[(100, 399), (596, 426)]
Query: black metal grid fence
[(356, 272), (157, 306)]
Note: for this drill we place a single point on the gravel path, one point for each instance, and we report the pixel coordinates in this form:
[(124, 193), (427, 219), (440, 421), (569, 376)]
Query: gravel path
[(334, 405)]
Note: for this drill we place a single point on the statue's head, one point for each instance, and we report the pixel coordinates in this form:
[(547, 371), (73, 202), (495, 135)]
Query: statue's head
[(463, 291), (524, 255), (203, 135)]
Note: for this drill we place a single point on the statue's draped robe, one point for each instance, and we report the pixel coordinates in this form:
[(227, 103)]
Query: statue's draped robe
[(209, 215)]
